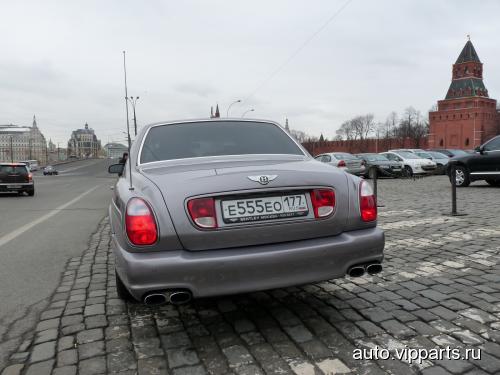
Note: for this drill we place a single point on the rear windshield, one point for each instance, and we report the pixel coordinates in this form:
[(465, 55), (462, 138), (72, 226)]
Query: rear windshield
[(408, 155), (375, 157), (13, 169), (345, 156), (215, 138)]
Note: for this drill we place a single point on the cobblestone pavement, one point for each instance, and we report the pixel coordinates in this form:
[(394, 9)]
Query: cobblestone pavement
[(440, 287)]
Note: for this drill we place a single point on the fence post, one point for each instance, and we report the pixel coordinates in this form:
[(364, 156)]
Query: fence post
[(453, 187)]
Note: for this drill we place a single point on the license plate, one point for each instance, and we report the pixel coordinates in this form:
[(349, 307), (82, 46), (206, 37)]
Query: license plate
[(264, 208), (14, 186)]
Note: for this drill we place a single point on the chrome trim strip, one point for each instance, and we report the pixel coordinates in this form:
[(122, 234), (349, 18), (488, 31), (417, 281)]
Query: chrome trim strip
[(494, 173)]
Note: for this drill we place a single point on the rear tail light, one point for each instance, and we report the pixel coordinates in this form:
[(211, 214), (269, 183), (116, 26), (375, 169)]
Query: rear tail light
[(30, 177), (202, 211), (341, 163), (323, 202), (367, 202), (140, 223)]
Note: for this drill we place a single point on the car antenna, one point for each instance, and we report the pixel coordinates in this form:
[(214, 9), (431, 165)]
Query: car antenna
[(128, 124)]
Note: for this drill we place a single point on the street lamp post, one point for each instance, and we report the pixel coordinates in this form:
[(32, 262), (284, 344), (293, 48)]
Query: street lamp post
[(230, 105), (133, 101), (244, 113)]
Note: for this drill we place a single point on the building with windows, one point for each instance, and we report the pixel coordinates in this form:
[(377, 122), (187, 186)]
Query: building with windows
[(84, 143), (467, 116), (114, 150), (18, 143)]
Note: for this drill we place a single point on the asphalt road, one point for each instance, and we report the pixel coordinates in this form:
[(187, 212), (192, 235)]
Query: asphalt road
[(39, 234)]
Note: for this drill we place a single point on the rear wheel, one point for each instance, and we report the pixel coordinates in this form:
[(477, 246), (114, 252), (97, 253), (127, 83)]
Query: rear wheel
[(31, 192), (408, 171), (121, 290), (494, 182), (461, 176)]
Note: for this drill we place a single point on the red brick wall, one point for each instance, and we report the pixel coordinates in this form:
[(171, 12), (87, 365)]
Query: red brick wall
[(367, 145), (463, 123)]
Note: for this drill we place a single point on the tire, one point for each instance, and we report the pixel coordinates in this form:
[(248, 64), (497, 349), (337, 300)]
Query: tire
[(31, 192), (122, 290), (462, 178), (21, 193), (495, 183), (372, 173), (408, 171)]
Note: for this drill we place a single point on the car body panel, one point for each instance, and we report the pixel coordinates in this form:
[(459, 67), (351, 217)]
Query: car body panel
[(384, 167), (353, 165), (418, 165)]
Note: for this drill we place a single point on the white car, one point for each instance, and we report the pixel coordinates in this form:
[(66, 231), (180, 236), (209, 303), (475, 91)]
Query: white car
[(441, 160), (413, 164)]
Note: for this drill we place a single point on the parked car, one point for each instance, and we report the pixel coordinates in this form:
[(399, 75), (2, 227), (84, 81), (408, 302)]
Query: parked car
[(412, 163), (225, 206), (16, 177), (379, 165), (440, 159), (50, 170), (450, 152), (345, 161), (483, 165)]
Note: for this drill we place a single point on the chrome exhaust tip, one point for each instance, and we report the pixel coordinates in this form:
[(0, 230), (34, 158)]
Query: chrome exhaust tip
[(374, 268), (180, 297), (356, 271), (155, 299)]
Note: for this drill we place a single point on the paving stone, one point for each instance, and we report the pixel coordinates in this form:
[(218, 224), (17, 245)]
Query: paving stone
[(190, 370), (182, 357), (40, 368), (298, 333), (66, 370), (237, 355), (67, 357), (92, 366), (152, 366), (397, 329), (13, 369), (91, 349), (66, 342), (121, 361), (89, 335), (42, 352)]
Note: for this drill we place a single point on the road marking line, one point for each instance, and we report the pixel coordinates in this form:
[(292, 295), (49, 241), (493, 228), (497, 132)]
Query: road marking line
[(16, 233), (79, 167)]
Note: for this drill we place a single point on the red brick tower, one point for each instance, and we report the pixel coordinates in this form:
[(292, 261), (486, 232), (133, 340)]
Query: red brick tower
[(467, 116)]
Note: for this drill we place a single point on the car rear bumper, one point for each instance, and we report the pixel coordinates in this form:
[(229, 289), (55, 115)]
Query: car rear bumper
[(21, 186), (239, 270)]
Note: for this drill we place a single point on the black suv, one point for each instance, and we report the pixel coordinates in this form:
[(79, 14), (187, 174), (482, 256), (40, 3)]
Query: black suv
[(483, 165), (16, 177)]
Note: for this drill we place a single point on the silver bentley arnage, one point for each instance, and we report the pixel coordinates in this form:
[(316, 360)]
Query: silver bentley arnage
[(223, 206)]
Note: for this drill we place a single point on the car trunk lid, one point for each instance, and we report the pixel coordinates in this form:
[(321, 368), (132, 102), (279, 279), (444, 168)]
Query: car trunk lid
[(230, 180)]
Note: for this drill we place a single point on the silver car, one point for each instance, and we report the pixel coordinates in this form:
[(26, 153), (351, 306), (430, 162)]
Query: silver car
[(223, 206), (345, 161)]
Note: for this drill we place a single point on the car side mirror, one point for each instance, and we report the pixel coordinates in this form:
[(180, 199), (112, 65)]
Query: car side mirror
[(481, 150), (116, 168)]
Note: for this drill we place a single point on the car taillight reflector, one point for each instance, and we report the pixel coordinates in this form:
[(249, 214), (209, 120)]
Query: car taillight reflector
[(202, 211), (323, 201), (140, 223), (341, 163), (367, 202), (30, 177)]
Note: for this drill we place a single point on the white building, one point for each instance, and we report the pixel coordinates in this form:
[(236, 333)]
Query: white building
[(18, 143)]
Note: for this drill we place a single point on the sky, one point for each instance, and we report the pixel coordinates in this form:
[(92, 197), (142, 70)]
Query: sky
[(63, 60)]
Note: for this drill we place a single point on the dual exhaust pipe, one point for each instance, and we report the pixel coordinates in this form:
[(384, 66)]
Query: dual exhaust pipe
[(360, 269), (175, 297)]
